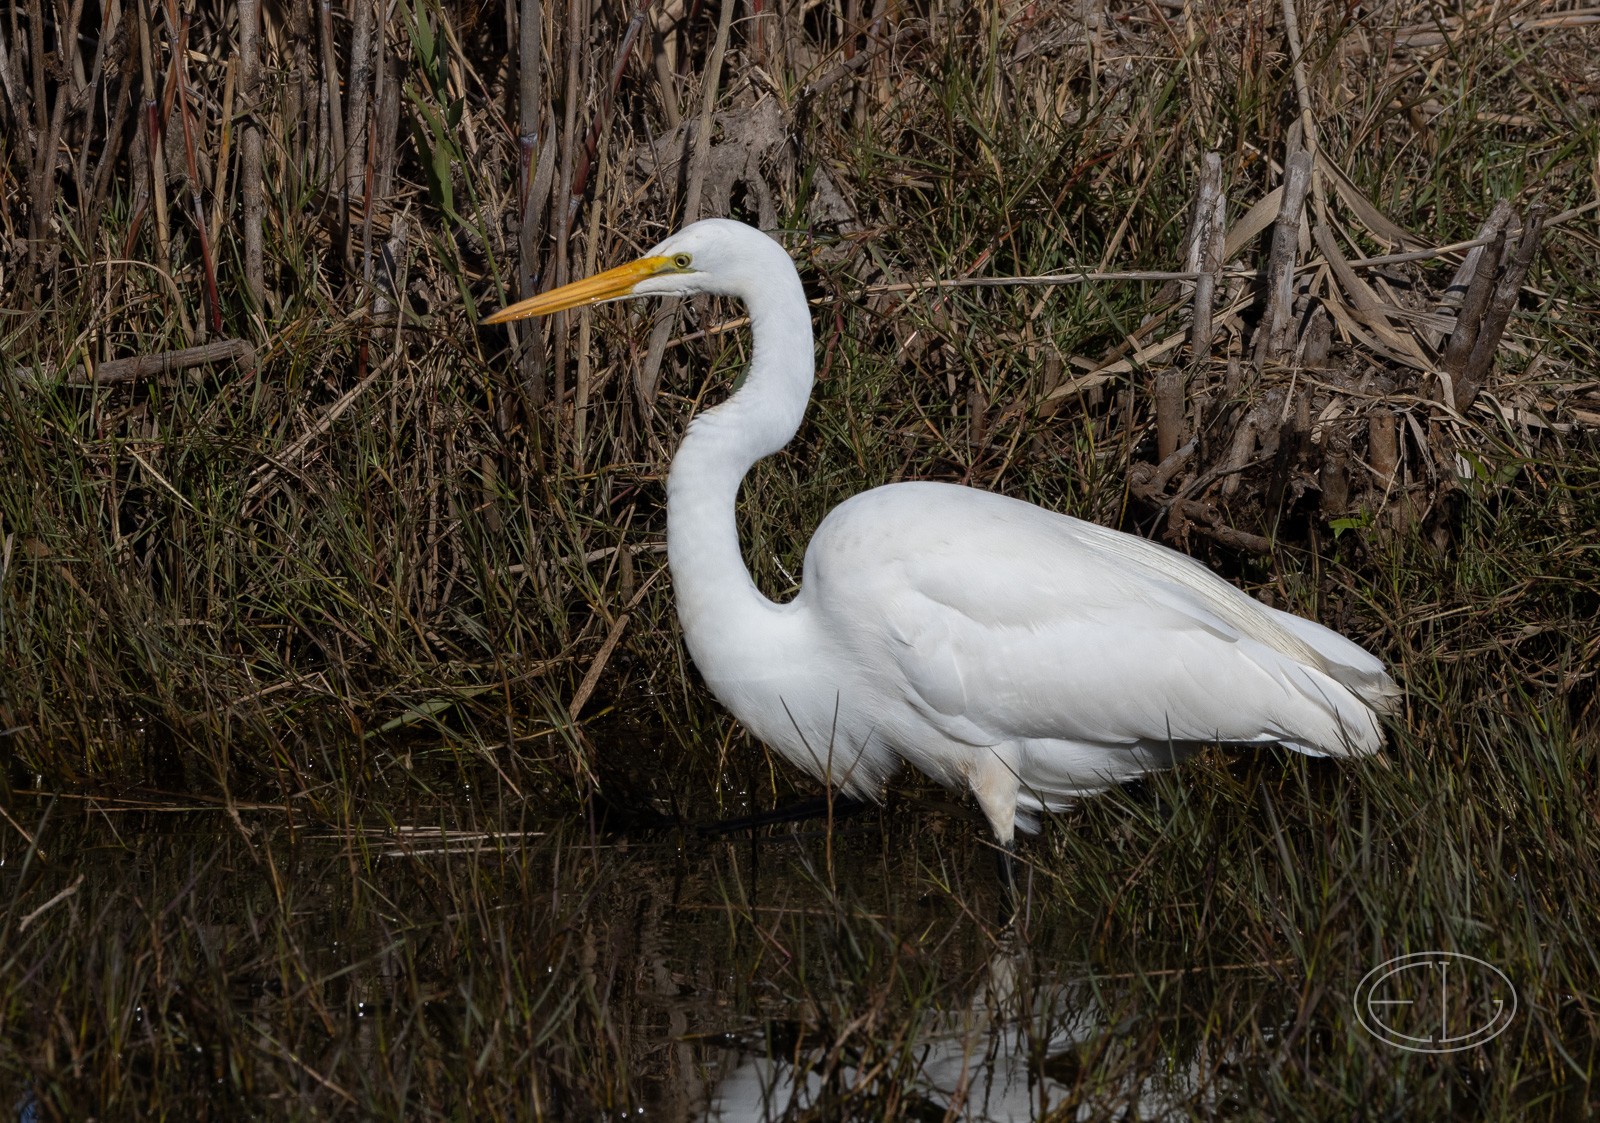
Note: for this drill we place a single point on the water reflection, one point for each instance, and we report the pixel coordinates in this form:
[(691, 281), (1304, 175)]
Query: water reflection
[(1016, 1052), (451, 960), (455, 960), (27, 1108)]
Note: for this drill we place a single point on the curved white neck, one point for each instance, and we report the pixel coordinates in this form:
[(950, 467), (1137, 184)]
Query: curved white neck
[(715, 593)]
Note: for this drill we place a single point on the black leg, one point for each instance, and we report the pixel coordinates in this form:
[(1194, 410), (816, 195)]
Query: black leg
[(1006, 858)]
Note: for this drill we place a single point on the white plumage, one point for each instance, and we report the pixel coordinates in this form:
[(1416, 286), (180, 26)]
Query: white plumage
[(999, 647)]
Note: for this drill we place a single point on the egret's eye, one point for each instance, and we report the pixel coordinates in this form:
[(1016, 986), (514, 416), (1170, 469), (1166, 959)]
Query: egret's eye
[(680, 261)]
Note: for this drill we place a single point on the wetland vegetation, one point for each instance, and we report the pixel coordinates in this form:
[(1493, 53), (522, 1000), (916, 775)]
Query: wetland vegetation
[(352, 767)]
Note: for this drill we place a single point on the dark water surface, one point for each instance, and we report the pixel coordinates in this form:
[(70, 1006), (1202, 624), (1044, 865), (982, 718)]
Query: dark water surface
[(467, 959)]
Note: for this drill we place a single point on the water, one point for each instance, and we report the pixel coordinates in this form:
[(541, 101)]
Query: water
[(475, 958)]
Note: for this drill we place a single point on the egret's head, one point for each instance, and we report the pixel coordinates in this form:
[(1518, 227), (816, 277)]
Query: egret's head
[(715, 255)]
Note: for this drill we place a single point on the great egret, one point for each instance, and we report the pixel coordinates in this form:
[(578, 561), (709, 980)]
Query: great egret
[(1022, 654)]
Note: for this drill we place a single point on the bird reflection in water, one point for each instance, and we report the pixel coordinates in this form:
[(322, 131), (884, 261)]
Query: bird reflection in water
[(1016, 1052)]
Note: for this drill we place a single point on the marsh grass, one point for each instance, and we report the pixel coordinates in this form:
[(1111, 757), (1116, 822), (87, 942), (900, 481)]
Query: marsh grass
[(1190, 944), (387, 522), (354, 665)]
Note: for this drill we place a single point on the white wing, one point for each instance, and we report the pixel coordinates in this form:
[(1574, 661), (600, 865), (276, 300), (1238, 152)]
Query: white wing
[(1008, 622)]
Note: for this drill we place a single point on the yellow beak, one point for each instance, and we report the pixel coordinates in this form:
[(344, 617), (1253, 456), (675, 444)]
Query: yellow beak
[(610, 285)]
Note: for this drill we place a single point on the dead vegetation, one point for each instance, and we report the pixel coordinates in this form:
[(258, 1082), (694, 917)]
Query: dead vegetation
[(1304, 291), (1309, 290)]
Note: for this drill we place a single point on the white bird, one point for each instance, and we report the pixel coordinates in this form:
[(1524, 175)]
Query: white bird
[(999, 647)]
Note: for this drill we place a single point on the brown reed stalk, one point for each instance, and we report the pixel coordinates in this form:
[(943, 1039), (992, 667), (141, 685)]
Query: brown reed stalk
[(535, 166), (602, 116), (334, 154), (299, 124), (90, 212), (219, 182), (648, 380), (1474, 304), (577, 34), (42, 241), (357, 158), (155, 150), (250, 161), (386, 113), (11, 85), (1509, 289), (1206, 257), (41, 120), (178, 39), (1277, 325)]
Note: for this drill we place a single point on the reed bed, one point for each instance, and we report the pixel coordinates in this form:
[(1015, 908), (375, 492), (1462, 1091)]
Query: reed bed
[(286, 541), (263, 474)]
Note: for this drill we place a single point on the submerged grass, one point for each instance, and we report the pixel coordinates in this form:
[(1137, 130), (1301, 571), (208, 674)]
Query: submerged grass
[(1190, 947), (355, 665)]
